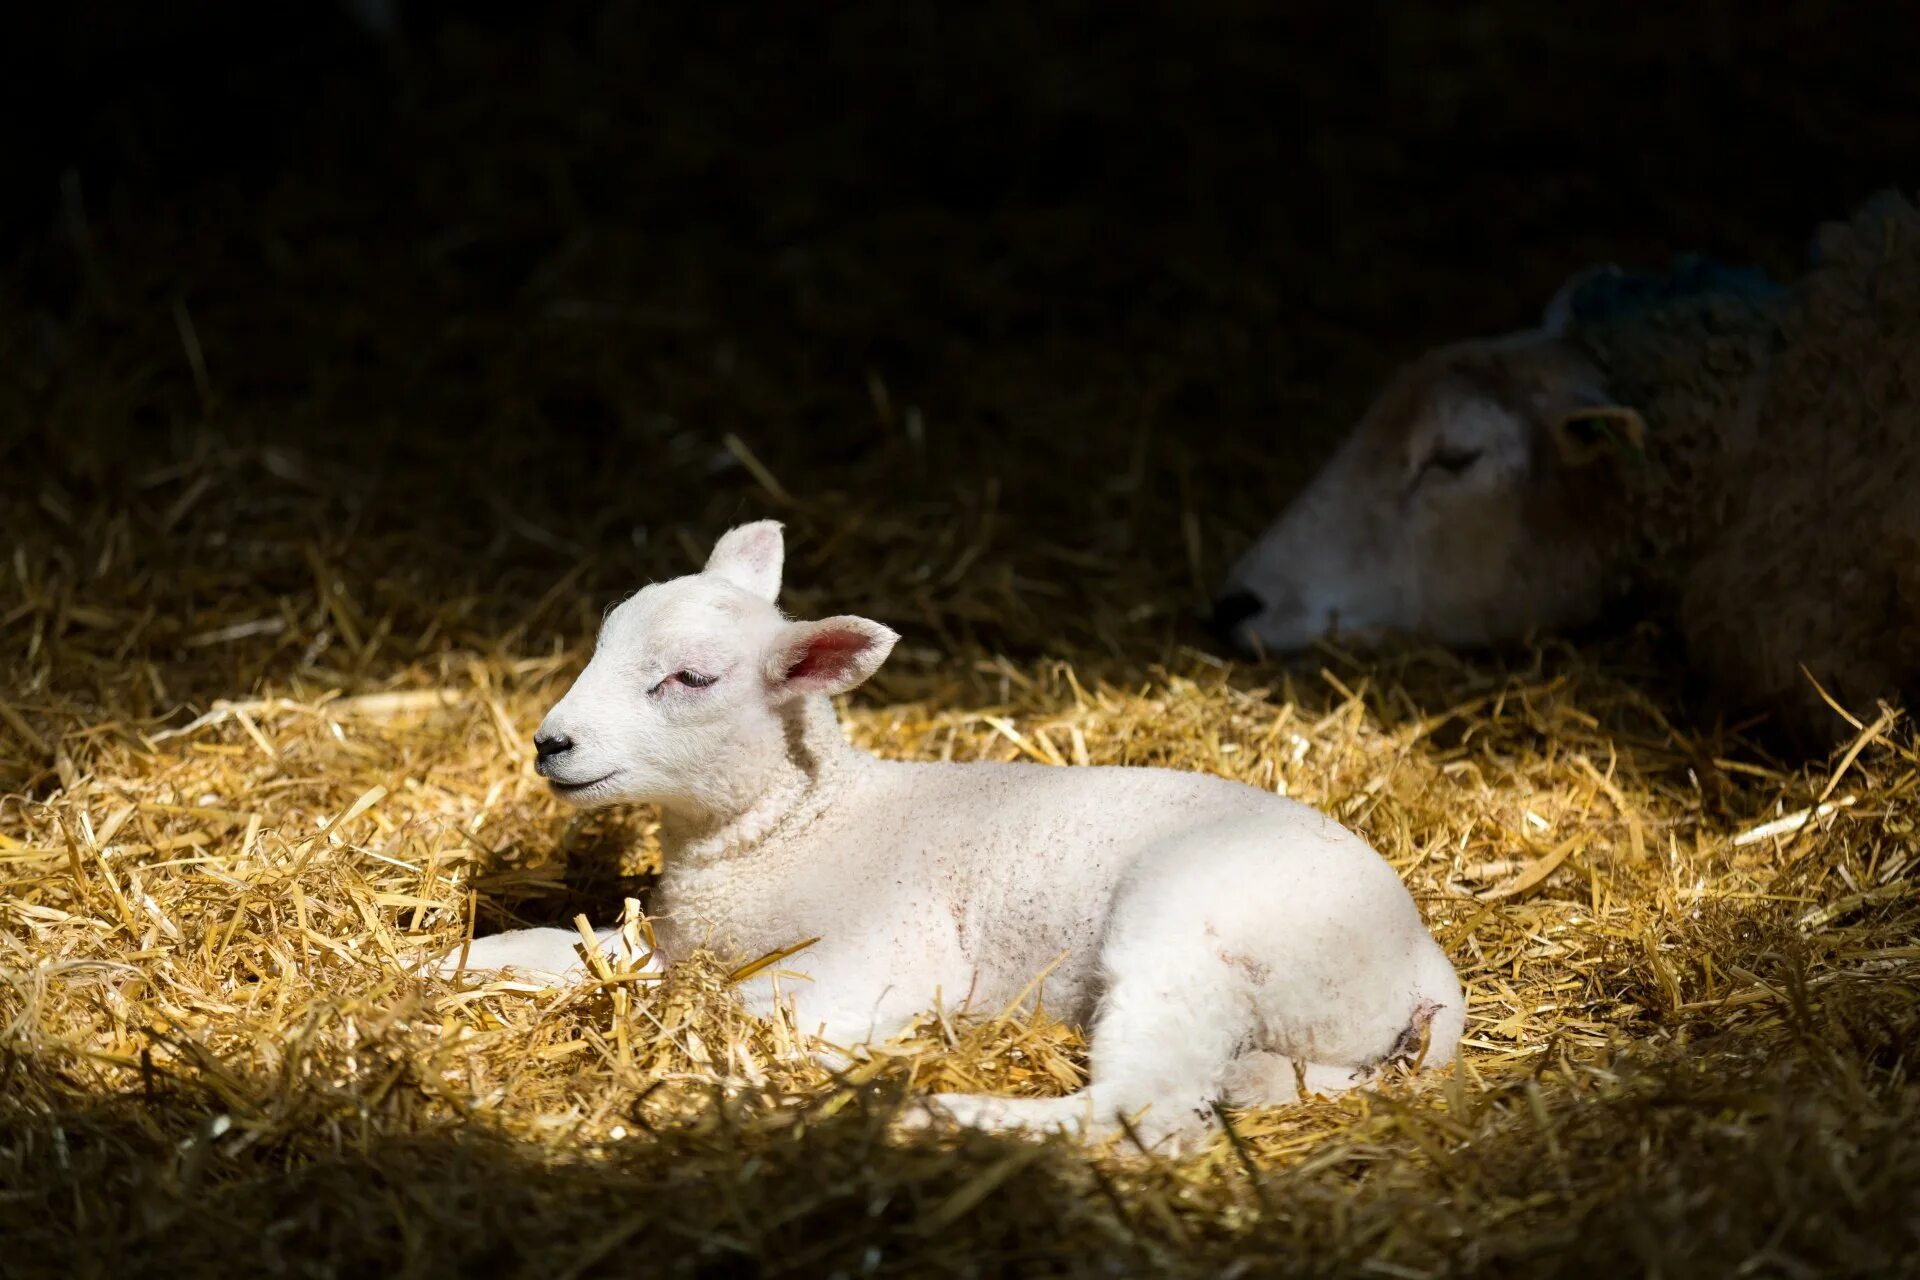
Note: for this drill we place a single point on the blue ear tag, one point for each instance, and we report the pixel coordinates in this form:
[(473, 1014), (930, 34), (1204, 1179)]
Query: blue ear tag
[(1615, 295)]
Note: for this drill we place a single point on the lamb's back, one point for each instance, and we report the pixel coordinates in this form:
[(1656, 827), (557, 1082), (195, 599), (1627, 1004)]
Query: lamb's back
[(1026, 859)]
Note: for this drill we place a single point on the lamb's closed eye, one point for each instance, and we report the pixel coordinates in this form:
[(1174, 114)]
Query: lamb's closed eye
[(691, 679)]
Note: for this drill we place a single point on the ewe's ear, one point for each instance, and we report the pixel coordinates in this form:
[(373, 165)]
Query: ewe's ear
[(750, 557), (1564, 307), (829, 656), (1588, 434)]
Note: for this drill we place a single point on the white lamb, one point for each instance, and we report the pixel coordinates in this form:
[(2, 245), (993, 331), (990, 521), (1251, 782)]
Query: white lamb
[(1222, 943)]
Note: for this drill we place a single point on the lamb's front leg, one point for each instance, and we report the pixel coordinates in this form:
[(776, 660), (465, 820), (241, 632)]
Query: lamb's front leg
[(543, 955)]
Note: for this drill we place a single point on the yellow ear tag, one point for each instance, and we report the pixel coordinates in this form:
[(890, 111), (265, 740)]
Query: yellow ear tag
[(1587, 435)]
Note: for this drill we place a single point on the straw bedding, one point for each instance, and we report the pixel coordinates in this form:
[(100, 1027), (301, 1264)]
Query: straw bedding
[(273, 655), (1691, 983)]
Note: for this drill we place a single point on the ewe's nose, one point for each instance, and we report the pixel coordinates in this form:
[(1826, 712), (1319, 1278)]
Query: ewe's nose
[(1230, 610), (547, 745)]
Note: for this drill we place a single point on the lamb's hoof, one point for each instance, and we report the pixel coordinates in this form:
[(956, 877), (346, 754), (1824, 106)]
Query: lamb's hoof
[(919, 1115), (1174, 1141)]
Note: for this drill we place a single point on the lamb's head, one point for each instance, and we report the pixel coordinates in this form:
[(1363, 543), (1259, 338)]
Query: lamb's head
[(1476, 501), (688, 698)]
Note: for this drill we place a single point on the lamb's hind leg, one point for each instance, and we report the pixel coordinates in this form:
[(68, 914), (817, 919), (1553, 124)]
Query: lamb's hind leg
[(1262, 1078), (1071, 1114), (1161, 1041), (1265, 1079)]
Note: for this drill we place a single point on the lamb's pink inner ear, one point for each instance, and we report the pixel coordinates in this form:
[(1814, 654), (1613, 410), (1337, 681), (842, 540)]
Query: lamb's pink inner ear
[(831, 656), (826, 657)]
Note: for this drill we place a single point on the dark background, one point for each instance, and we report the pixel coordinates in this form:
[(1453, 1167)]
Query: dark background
[(1036, 311), (327, 362)]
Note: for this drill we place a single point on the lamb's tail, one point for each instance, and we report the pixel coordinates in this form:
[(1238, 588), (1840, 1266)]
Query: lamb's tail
[(1438, 1020)]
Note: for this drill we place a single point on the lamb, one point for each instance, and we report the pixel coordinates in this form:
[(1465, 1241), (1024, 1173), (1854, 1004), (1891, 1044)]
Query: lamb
[(1743, 455), (1223, 944)]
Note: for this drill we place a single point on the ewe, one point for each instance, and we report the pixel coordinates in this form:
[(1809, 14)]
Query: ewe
[(1220, 942), (1744, 455)]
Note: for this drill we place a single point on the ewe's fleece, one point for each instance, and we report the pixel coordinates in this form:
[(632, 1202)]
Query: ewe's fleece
[(1809, 541)]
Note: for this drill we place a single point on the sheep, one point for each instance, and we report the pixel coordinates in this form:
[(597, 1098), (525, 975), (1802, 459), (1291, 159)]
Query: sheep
[(1222, 944), (1740, 455)]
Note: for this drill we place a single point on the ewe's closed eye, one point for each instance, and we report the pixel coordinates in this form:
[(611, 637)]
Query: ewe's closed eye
[(1451, 459), (691, 679)]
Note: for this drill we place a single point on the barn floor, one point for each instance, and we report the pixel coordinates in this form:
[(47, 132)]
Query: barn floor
[(321, 458)]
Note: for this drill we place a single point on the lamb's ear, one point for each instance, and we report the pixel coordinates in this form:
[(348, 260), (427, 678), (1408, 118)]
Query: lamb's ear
[(830, 656), (750, 557)]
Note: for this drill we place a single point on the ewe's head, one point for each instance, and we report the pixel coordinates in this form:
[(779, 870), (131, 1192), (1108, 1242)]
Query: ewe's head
[(1475, 501), (687, 699)]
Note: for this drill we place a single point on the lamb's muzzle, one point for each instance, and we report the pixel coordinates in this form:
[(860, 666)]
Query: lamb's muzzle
[(1221, 943)]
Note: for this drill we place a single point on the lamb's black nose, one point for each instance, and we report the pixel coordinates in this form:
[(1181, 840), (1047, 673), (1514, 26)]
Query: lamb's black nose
[(1232, 609), (546, 745)]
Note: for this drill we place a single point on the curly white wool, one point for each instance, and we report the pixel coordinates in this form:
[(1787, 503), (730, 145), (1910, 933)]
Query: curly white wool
[(1212, 937)]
